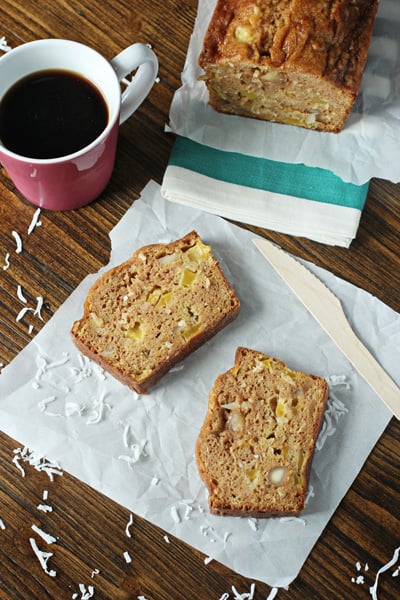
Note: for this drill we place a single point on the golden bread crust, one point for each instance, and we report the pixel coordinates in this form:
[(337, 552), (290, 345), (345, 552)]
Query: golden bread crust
[(259, 55)]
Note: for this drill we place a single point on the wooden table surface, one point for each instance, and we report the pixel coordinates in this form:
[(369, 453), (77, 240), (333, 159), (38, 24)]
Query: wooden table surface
[(365, 529)]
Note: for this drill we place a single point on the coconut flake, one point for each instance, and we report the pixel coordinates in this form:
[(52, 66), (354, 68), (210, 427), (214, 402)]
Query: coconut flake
[(299, 520), (39, 306), (335, 409), (17, 464), (175, 515), (35, 222), (42, 404), (96, 417), (125, 435), (45, 508), (4, 47), (272, 593), (18, 241), (246, 595), (130, 522), (43, 557), (2, 526), (23, 312), (338, 380), (49, 539), (253, 523), (227, 535), (188, 509), (36, 461), (20, 294), (127, 557), (85, 593), (388, 565), (6, 261), (82, 372), (138, 450), (73, 408)]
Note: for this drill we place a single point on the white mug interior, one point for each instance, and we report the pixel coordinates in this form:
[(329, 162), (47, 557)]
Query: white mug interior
[(66, 55)]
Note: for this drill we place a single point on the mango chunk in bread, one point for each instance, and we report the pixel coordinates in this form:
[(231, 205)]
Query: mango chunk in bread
[(144, 316), (255, 447)]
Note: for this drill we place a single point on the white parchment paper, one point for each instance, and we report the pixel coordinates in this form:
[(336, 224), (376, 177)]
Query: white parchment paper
[(368, 146), (139, 450)]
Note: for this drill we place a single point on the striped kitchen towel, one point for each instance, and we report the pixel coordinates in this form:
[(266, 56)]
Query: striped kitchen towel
[(290, 198)]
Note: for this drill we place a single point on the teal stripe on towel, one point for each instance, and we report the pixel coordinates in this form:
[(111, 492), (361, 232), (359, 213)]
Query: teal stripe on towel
[(297, 180)]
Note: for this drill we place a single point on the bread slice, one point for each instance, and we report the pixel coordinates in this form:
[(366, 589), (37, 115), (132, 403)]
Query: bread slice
[(255, 447), (144, 316)]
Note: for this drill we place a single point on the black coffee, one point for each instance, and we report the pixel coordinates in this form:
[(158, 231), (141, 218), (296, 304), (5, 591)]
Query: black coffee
[(50, 114)]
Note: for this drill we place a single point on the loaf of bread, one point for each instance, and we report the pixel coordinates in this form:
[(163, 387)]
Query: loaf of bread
[(298, 62), (255, 447), (144, 316)]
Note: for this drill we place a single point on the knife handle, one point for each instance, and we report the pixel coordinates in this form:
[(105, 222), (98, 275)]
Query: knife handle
[(371, 371)]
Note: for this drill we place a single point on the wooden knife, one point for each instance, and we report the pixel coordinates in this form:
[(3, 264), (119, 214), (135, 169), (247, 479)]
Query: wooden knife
[(328, 311)]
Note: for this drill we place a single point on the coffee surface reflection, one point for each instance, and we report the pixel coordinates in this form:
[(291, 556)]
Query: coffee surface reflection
[(51, 113)]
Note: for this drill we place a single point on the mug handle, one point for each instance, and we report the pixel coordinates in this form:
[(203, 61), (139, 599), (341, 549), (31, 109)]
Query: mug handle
[(141, 57)]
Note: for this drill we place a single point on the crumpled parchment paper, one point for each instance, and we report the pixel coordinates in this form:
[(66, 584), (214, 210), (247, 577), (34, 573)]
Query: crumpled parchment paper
[(139, 450)]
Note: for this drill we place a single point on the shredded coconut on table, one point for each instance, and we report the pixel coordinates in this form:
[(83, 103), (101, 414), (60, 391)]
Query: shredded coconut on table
[(39, 306), (85, 593), (18, 241), (246, 595), (35, 221), (6, 261), (2, 526), (37, 311), (23, 312), (128, 525), (43, 557), (20, 294), (4, 47), (35, 460), (49, 539), (45, 508), (373, 589)]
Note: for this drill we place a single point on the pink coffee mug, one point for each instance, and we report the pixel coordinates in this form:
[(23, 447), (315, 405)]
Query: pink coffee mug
[(71, 181)]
